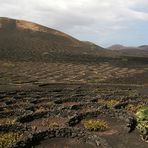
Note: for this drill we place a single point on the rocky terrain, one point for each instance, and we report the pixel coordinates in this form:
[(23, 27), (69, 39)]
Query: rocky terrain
[(38, 114), (57, 91)]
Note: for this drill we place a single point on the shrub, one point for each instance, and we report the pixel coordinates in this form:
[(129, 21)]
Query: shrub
[(8, 121), (40, 109), (8, 65), (54, 125), (133, 108), (109, 103), (142, 122), (95, 124), (7, 139)]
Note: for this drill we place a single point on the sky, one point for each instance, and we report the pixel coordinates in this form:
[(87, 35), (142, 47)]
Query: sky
[(104, 22)]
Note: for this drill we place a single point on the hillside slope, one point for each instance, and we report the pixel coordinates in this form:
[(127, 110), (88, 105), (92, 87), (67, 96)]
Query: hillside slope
[(140, 51), (116, 47), (25, 40)]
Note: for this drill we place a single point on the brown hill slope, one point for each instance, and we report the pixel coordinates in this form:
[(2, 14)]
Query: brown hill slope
[(143, 47), (25, 40), (140, 51), (116, 47)]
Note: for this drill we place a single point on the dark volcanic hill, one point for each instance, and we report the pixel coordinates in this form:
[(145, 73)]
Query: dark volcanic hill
[(122, 47), (143, 47), (25, 40), (116, 47), (140, 51)]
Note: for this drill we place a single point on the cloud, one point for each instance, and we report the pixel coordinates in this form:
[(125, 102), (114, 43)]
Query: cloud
[(100, 17)]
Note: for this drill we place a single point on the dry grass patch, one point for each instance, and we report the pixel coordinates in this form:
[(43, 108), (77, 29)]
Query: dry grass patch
[(95, 124), (133, 107), (8, 139), (40, 109), (7, 121), (109, 103), (8, 65)]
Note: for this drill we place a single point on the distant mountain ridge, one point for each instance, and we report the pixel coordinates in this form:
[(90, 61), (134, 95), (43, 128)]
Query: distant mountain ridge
[(143, 47), (122, 47), (139, 51)]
